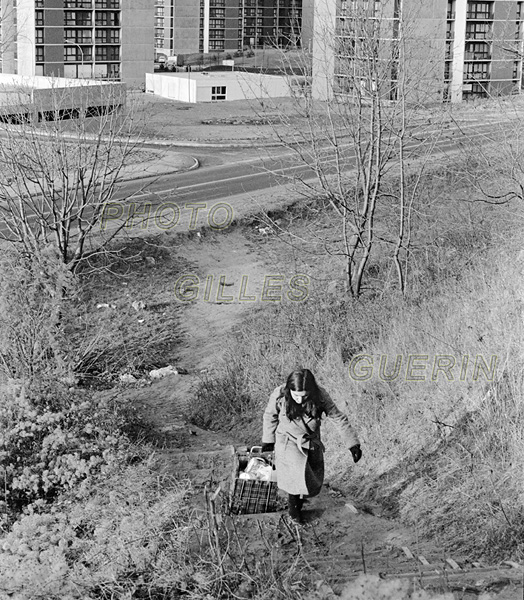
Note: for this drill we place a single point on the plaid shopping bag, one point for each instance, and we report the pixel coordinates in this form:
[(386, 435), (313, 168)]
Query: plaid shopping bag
[(249, 496), (252, 496)]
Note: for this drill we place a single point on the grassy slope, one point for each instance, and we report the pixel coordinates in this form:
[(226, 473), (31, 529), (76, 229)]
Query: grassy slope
[(441, 453)]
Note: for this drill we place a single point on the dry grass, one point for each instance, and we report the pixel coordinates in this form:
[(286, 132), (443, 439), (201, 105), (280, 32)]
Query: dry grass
[(437, 452)]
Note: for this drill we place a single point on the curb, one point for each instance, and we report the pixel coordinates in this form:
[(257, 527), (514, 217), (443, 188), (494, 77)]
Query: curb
[(193, 167), (189, 144)]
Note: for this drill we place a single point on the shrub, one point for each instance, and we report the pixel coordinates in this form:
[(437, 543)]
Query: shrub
[(125, 537), (34, 303), (52, 440)]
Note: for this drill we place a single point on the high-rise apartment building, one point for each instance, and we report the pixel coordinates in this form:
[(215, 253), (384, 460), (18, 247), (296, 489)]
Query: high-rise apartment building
[(484, 48), (106, 39), (191, 26), (452, 50)]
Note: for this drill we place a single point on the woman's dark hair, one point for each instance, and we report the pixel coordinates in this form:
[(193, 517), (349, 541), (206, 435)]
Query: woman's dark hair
[(302, 380)]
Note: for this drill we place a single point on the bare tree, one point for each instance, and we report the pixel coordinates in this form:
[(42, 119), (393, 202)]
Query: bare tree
[(364, 130), (62, 154)]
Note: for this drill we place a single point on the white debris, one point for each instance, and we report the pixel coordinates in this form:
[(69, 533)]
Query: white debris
[(163, 372), (128, 378), (351, 507)]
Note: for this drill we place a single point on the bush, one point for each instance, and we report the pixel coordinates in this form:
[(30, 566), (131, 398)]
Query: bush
[(34, 308), (126, 537), (51, 441)]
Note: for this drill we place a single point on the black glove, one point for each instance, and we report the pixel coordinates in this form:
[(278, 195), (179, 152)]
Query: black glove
[(268, 447), (356, 452)]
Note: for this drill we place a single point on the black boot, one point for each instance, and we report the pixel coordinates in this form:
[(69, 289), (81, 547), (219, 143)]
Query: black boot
[(295, 508)]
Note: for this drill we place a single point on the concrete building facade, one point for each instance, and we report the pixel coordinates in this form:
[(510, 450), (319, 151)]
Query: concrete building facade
[(101, 39), (192, 26), (452, 50)]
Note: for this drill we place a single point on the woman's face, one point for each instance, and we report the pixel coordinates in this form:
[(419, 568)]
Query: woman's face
[(298, 397)]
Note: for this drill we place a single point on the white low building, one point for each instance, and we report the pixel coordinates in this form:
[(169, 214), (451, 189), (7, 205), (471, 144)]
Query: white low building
[(214, 86), (49, 98)]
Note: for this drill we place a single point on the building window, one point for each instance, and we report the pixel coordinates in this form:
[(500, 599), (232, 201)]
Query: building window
[(78, 18), (476, 71), (216, 44), (478, 31), (451, 9), (78, 4), (480, 10), (39, 54), (477, 51), (39, 36), (218, 92), (77, 54), (109, 36), (107, 18), (113, 71), (475, 90), (107, 53), (79, 36), (109, 3), (39, 18)]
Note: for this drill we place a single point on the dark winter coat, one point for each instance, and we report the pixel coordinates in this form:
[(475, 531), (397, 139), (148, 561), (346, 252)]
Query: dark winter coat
[(299, 452)]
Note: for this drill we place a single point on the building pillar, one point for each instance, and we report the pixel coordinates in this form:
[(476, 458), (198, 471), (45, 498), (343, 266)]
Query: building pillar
[(459, 48), (206, 27), (324, 40)]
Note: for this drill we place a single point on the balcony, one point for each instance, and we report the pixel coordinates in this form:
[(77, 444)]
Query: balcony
[(477, 56), (474, 75), (479, 16)]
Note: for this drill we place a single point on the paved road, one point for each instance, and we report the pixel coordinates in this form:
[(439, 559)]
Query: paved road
[(244, 178), (254, 175)]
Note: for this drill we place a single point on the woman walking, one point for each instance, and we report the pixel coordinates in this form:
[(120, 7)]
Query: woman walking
[(291, 427)]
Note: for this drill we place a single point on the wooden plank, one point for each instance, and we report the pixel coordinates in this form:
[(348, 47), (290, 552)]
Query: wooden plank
[(407, 552), (215, 493), (511, 563), (452, 563), (351, 507), (423, 560)]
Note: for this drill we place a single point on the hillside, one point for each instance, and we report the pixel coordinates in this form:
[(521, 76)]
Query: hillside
[(440, 477)]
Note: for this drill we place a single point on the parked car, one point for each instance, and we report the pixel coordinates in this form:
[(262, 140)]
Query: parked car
[(160, 62)]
